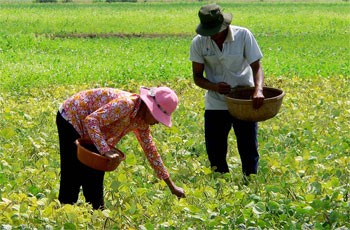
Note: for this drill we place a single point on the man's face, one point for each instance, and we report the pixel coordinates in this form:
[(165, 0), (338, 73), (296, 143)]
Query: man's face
[(220, 35)]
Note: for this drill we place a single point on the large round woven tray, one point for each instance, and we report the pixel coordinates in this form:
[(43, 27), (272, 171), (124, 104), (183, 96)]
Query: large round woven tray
[(240, 104)]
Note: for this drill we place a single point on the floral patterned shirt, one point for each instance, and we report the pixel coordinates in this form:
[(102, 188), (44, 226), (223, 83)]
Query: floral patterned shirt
[(105, 115)]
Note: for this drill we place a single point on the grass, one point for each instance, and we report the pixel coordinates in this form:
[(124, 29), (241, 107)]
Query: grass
[(50, 51), (41, 40)]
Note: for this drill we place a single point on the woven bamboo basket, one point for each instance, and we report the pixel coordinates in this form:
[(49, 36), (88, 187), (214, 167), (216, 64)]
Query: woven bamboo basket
[(240, 104), (95, 160)]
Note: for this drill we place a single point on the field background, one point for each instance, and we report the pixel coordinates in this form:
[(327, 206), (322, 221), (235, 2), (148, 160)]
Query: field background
[(50, 51)]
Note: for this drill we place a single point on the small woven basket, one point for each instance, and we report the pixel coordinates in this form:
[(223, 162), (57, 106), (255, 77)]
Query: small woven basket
[(95, 160), (240, 104)]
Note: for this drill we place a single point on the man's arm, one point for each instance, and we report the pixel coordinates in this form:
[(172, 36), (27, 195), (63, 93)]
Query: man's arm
[(204, 83), (258, 74)]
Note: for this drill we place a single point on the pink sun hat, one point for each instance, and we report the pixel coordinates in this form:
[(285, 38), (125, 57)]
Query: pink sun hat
[(161, 102)]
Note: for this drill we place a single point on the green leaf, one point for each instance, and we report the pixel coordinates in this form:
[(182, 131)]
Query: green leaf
[(259, 208), (69, 226), (7, 133), (6, 227), (273, 206)]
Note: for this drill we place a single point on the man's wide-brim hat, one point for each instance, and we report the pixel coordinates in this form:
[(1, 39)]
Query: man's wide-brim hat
[(161, 102), (212, 20)]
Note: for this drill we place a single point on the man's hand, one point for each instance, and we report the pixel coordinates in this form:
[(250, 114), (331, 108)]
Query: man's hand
[(258, 98), (223, 88)]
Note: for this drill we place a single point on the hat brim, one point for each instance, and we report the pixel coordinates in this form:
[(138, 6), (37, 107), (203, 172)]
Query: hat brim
[(153, 108), (204, 31)]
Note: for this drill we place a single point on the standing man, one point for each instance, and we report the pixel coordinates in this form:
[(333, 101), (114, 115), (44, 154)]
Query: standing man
[(230, 57)]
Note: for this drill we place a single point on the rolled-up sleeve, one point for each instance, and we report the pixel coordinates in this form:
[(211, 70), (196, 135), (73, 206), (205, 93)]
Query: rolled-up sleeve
[(145, 139), (195, 50), (252, 50)]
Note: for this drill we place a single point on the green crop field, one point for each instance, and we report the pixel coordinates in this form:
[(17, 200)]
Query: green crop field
[(50, 51)]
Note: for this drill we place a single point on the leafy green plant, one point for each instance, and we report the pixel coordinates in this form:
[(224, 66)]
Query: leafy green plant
[(45, 1), (304, 172), (109, 1)]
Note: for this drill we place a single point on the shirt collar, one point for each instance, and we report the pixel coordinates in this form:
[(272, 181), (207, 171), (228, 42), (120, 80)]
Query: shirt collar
[(230, 36), (137, 105)]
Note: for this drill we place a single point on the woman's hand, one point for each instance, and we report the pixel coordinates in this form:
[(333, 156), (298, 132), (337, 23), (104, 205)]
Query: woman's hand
[(177, 191), (111, 154)]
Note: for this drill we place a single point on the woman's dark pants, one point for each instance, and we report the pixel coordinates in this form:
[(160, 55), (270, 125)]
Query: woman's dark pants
[(218, 124), (73, 173)]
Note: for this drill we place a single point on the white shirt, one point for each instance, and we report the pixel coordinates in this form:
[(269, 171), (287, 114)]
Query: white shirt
[(231, 65)]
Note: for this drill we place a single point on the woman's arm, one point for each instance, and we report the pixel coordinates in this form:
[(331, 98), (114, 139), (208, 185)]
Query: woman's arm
[(145, 139), (111, 112)]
